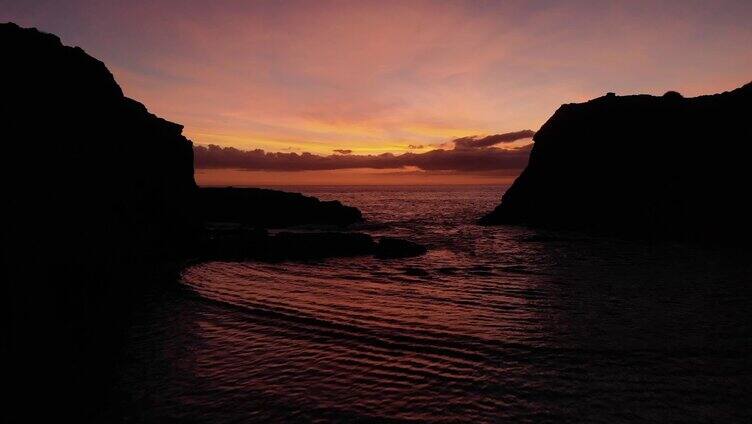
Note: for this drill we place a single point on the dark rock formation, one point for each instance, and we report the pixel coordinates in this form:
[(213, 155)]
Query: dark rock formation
[(99, 204), (390, 247), (662, 167), (271, 208), (234, 243), (288, 245), (245, 243), (242, 244), (97, 200)]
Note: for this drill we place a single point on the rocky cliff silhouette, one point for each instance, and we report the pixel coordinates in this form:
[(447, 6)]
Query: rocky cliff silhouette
[(100, 206), (89, 217), (664, 167)]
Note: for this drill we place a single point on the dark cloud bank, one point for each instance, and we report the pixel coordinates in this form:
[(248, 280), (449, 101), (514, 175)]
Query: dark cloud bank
[(470, 154), (491, 140)]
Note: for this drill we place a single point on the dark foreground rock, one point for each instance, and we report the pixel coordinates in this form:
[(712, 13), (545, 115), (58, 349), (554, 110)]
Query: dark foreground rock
[(288, 245), (97, 202), (241, 244), (645, 166), (100, 206), (271, 208), (390, 247), (237, 219)]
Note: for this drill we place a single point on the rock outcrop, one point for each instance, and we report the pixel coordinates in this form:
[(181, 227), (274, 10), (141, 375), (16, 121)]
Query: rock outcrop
[(390, 247), (237, 220), (271, 208), (97, 200), (233, 243), (657, 167)]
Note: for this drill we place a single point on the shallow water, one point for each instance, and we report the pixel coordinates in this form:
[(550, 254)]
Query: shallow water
[(493, 324)]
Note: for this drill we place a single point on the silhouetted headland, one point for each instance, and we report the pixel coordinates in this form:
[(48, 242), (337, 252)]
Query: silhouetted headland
[(664, 167), (100, 204)]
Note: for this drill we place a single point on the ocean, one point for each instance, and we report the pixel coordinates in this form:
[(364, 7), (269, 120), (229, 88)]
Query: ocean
[(494, 324)]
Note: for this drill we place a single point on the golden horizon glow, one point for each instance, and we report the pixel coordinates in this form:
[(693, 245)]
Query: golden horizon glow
[(341, 177)]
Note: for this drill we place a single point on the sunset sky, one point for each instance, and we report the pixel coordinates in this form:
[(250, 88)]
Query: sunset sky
[(368, 78)]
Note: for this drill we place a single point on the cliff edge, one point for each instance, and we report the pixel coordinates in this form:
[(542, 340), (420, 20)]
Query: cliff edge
[(98, 197), (664, 167)]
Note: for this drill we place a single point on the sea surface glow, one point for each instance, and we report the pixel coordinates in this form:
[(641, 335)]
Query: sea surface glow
[(493, 324)]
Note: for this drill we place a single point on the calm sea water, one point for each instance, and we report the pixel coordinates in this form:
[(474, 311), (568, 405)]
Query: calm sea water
[(498, 324)]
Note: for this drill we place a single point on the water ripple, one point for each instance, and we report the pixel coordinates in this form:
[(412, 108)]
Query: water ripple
[(494, 324)]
